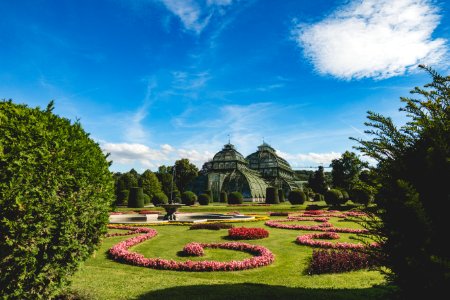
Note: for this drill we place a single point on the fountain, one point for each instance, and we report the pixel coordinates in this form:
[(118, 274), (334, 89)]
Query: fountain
[(171, 207)]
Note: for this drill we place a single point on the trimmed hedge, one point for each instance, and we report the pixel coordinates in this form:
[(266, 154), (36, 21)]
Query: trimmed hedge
[(188, 198), (281, 195), (223, 197), (159, 198), (204, 199), (235, 198), (334, 197), (136, 198), (123, 197), (361, 195), (55, 194), (272, 195), (297, 197)]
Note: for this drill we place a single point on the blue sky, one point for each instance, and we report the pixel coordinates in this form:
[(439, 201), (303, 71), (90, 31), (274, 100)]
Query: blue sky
[(157, 80)]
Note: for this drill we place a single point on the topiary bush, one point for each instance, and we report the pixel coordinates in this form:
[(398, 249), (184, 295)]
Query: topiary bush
[(123, 197), (188, 198), (272, 195), (318, 197), (334, 197), (136, 198), (210, 194), (204, 199), (281, 195), (297, 197), (55, 194), (235, 198), (223, 197), (362, 195), (147, 199), (159, 198), (345, 195)]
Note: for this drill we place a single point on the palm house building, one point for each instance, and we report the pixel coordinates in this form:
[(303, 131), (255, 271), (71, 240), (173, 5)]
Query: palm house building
[(229, 171)]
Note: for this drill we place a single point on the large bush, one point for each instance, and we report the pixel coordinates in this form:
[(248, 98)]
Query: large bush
[(122, 198), (55, 193), (159, 198), (272, 195), (136, 197), (188, 198), (362, 194), (334, 197), (210, 194), (235, 198), (297, 197), (223, 197), (204, 199)]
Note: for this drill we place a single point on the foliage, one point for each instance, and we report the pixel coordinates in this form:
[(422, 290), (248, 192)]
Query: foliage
[(334, 197), (185, 173), (346, 170), (297, 197), (136, 198), (317, 181), (159, 198), (210, 194), (123, 197), (150, 183), (204, 199), (362, 193), (124, 182), (147, 199), (318, 197), (413, 199), (164, 175), (235, 198), (188, 198), (281, 195), (345, 195), (272, 195), (55, 194), (223, 197)]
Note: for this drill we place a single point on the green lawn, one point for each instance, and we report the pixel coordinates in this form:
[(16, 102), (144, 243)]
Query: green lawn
[(102, 278)]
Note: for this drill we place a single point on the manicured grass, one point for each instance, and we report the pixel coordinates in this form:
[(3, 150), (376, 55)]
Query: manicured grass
[(102, 278)]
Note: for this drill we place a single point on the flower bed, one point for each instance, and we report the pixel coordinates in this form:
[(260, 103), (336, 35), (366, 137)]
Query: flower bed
[(193, 249), (211, 226), (119, 252), (328, 227), (149, 212), (131, 230), (309, 240), (243, 233), (338, 261), (278, 214)]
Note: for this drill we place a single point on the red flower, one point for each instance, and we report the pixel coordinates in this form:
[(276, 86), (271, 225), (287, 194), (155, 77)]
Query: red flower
[(242, 233)]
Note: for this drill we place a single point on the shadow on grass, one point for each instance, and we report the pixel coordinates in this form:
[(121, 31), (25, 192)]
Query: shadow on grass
[(263, 291)]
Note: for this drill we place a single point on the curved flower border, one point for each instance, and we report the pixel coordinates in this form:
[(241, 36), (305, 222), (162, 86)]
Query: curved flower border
[(119, 252), (309, 240), (327, 227)]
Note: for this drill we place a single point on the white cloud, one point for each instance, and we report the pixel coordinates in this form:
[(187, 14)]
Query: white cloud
[(194, 16), (311, 159), (373, 38)]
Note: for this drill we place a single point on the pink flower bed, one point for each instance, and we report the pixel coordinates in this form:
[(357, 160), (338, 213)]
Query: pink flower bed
[(193, 249), (327, 228), (278, 214), (119, 252), (243, 233), (338, 261), (309, 240), (131, 230), (301, 218)]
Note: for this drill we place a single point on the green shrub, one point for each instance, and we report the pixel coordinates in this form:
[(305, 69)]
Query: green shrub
[(204, 199), (188, 198), (147, 199), (362, 194), (345, 195), (272, 195), (55, 194), (281, 195), (223, 197), (297, 197), (334, 197), (123, 197), (159, 198), (235, 198), (318, 197), (210, 194), (136, 198)]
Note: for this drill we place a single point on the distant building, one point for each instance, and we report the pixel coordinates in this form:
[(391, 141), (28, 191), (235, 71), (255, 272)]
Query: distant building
[(229, 171)]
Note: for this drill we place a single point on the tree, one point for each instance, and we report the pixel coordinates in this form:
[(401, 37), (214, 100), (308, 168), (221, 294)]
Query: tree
[(346, 170), (185, 173), (136, 198), (125, 182), (412, 172), (150, 183), (317, 181), (55, 194), (164, 175)]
